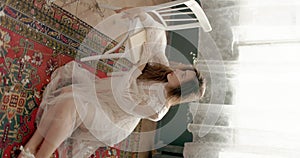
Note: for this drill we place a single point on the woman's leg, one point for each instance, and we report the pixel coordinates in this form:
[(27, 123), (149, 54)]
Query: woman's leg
[(38, 136), (34, 142), (59, 130)]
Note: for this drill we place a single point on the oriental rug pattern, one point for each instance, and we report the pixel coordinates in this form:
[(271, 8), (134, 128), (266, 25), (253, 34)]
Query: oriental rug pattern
[(35, 39)]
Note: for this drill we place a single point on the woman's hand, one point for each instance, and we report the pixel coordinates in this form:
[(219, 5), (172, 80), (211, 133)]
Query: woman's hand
[(122, 9), (141, 67), (131, 12), (178, 65)]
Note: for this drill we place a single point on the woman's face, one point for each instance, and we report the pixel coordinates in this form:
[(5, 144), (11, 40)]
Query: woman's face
[(178, 77)]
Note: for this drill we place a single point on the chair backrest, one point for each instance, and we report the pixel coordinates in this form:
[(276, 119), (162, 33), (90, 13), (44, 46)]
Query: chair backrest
[(180, 14), (175, 15)]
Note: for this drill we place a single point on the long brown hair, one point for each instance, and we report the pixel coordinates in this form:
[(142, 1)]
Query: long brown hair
[(188, 91), (155, 72)]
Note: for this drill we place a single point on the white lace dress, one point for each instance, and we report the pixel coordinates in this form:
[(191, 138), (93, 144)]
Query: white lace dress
[(106, 109)]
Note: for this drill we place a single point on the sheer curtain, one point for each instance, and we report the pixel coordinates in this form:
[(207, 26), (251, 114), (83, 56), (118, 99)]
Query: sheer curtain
[(259, 42)]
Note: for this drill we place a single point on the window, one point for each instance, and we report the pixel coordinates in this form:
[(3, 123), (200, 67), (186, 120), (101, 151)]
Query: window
[(268, 104)]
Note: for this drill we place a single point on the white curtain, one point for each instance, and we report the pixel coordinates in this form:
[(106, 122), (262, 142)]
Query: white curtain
[(259, 42)]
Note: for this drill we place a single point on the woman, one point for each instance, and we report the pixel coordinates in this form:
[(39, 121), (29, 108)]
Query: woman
[(94, 112)]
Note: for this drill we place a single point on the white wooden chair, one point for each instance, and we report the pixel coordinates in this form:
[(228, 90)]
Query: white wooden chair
[(180, 14), (175, 15)]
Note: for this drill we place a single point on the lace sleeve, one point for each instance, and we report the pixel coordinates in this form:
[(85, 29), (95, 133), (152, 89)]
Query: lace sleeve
[(153, 106), (139, 101), (156, 40)]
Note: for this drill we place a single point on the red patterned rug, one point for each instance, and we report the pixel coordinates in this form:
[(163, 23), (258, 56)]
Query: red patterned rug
[(35, 39)]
